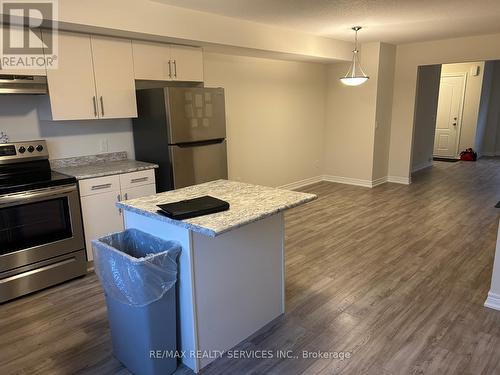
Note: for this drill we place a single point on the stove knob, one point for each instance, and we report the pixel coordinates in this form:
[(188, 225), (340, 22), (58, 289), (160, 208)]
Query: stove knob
[(31, 149), (22, 150), (39, 148)]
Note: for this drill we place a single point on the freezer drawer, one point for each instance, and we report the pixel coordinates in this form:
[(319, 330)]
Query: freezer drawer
[(195, 114), (195, 164)]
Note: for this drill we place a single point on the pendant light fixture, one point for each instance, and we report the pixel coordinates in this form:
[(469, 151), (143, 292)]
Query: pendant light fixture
[(356, 75)]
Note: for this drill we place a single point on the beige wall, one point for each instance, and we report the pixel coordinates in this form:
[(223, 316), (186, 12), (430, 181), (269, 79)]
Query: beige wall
[(484, 106), (275, 114), (408, 58), (491, 141), (387, 59), (472, 100), (358, 122), (350, 120), (425, 115)]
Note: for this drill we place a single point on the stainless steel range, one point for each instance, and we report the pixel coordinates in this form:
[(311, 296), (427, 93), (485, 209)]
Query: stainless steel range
[(41, 233)]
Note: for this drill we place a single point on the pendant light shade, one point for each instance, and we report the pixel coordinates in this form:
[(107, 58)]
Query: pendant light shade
[(356, 75)]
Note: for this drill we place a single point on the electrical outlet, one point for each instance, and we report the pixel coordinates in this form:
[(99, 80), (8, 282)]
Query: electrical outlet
[(103, 145), (4, 138)]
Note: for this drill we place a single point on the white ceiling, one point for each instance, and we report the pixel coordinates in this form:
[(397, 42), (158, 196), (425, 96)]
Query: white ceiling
[(392, 21)]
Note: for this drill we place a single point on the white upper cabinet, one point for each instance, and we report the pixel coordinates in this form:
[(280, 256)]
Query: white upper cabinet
[(16, 39), (114, 77), (163, 62), (94, 79), (71, 85), (152, 61), (187, 63)]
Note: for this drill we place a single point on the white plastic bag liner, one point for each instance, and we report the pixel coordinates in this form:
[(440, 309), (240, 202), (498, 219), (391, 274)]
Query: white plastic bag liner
[(135, 267)]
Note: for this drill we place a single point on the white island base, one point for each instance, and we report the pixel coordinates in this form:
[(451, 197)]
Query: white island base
[(229, 286)]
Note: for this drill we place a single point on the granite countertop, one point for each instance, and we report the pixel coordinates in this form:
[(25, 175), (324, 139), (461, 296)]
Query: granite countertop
[(91, 166), (248, 203)]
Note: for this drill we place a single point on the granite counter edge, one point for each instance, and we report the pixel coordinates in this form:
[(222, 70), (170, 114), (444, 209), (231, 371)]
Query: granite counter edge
[(210, 232)]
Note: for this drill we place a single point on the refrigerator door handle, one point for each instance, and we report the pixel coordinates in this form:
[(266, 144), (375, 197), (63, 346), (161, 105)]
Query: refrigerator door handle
[(195, 163), (200, 143)]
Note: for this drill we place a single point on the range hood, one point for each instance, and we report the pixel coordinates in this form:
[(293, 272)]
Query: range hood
[(20, 84)]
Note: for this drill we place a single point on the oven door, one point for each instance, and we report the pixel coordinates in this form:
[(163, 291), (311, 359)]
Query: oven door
[(39, 224)]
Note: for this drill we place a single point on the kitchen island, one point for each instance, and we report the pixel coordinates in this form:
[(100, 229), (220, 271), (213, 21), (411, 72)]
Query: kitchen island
[(231, 268)]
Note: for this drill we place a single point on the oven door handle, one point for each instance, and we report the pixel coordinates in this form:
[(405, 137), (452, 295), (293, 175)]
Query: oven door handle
[(35, 195)]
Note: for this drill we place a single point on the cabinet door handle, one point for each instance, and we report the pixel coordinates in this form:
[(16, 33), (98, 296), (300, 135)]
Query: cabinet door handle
[(169, 69), (175, 69), (126, 196), (95, 105), (119, 198), (102, 106), (99, 187), (140, 179)]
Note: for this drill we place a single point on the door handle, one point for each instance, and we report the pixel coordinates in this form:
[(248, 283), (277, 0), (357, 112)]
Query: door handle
[(169, 69), (95, 105), (119, 198), (35, 195), (99, 187), (102, 106), (140, 179), (175, 69)]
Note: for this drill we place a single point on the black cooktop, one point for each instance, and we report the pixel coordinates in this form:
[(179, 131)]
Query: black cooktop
[(30, 175)]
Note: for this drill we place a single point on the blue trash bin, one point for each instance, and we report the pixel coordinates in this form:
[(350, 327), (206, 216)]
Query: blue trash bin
[(138, 273)]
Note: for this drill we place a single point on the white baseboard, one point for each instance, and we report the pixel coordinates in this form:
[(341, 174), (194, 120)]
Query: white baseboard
[(345, 180), (379, 181), (493, 301), (348, 181), (419, 167), (299, 184), (399, 180)]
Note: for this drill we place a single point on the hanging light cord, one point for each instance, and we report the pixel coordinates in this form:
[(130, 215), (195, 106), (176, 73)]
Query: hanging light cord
[(355, 61)]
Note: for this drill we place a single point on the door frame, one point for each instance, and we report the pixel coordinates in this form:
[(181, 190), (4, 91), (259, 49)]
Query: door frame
[(465, 76)]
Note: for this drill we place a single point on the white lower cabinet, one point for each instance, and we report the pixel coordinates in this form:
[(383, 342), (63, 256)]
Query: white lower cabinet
[(98, 199), (139, 191), (100, 216)]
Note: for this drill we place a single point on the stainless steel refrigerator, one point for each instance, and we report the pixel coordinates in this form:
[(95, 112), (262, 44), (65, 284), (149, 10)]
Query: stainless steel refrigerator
[(183, 130)]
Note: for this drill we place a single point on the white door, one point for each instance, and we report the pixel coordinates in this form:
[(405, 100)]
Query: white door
[(71, 85), (449, 115), (187, 63), (114, 77), (100, 217)]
